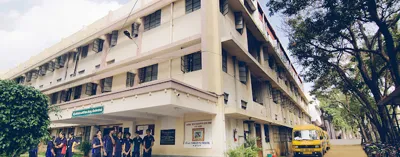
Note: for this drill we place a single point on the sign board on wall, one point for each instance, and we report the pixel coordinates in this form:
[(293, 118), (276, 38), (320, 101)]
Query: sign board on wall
[(167, 137), (198, 134), (142, 129), (88, 111)]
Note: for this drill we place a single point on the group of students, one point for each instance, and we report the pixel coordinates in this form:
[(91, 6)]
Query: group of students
[(61, 146), (117, 146)]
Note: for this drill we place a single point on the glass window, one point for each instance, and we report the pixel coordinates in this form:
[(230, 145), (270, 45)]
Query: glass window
[(192, 5), (305, 135)]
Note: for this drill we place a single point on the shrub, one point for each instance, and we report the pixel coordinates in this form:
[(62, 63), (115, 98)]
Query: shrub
[(247, 149)]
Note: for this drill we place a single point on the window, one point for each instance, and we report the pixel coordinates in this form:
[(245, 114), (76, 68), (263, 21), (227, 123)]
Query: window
[(114, 38), (60, 61), (28, 76), (224, 61), (242, 72), (269, 87), (226, 96), (253, 45), (42, 70), (98, 45), (130, 78), (152, 21), (77, 92), (191, 62), (91, 89), (81, 72), (249, 6), (106, 84), (20, 80), (223, 7), (85, 50), (149, 73), (276, 96), (266, 133), (271, 62), (244, 105), (135, 29), (110, 62), (51, 66), (75, 56), (239, 24), (192, 5), (68, 95), (54, 98)]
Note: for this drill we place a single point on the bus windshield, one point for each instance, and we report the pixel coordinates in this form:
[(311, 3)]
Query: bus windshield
[(305, 135)]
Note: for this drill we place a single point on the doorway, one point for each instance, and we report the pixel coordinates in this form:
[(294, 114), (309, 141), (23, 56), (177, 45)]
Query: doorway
[(259, 139)]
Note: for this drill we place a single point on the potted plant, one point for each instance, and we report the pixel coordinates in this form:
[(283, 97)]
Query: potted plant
[(85, 148)]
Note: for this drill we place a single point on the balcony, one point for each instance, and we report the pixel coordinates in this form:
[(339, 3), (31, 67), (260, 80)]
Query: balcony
[(149, 100)]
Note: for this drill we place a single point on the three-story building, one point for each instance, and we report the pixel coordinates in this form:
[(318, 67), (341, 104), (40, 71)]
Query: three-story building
[(203, 75)]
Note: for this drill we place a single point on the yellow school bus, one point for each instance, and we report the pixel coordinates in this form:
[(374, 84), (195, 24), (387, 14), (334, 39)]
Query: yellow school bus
[(308, 140)]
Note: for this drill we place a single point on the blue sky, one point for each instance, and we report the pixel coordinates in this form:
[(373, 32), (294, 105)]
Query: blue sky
[(27, 27)]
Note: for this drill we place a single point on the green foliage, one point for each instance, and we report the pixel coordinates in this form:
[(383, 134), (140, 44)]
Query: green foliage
[(85, 147), (248, 149), (349, 46), (24, 118)]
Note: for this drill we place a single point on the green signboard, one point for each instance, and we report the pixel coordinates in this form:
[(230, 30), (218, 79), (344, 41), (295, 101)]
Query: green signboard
[(88, 111)]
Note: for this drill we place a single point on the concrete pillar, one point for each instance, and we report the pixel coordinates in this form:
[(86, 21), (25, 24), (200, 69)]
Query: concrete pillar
[(212, 66), (92, 132)]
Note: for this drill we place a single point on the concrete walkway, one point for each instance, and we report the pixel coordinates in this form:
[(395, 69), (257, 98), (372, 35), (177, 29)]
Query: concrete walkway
[(346, 151)]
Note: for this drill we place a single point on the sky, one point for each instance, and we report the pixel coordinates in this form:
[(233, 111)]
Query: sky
[(27, 27)]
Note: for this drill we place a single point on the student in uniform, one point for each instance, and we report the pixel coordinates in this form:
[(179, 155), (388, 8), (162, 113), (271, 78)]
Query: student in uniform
[(109, 142), (119, 141), (148, 142), (137, 144), (97, 145), (127, 147), (59, 144), (50, 148), (71, 144)]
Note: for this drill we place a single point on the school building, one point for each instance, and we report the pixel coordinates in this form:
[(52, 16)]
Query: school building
[(203, 75)]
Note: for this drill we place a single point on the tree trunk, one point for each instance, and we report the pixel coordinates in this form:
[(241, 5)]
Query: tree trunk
[(363, 134)]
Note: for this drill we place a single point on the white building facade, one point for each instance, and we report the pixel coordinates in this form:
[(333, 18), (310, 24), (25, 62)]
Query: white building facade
[(203, 75)]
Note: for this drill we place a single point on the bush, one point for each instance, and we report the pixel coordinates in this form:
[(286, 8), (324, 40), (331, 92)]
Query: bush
[(248, 149), (85, 147), (24, 118)]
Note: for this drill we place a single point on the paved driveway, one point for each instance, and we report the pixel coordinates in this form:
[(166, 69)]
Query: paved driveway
[(346, 151)]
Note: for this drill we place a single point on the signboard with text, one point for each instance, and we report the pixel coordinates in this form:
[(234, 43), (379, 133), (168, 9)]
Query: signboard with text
[(198, 134), (167, 137), (88, 112)]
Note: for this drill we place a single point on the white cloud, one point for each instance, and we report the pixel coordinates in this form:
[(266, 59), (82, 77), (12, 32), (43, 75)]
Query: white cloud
[(45, 24)]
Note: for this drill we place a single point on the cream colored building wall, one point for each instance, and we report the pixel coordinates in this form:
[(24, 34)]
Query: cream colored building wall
[(228, 29), (178, 124)]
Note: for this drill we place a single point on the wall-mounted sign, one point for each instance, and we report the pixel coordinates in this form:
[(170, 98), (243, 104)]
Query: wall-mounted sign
[(88, 112), (167, 137), (198, 134), (142, 129)]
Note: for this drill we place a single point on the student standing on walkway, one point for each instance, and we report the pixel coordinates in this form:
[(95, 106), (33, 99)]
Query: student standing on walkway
[(137, 145), (127, 145), (97, 145), (109, 142), (60, 144), (33, 152), (148, 142), (71, 144), (119, 141), (50, 148)]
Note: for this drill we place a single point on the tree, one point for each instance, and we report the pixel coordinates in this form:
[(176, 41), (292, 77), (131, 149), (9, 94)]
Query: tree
[(24, 118), (352, 43)]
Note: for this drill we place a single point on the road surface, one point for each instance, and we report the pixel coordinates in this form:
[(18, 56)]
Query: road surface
[(346, 151)]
